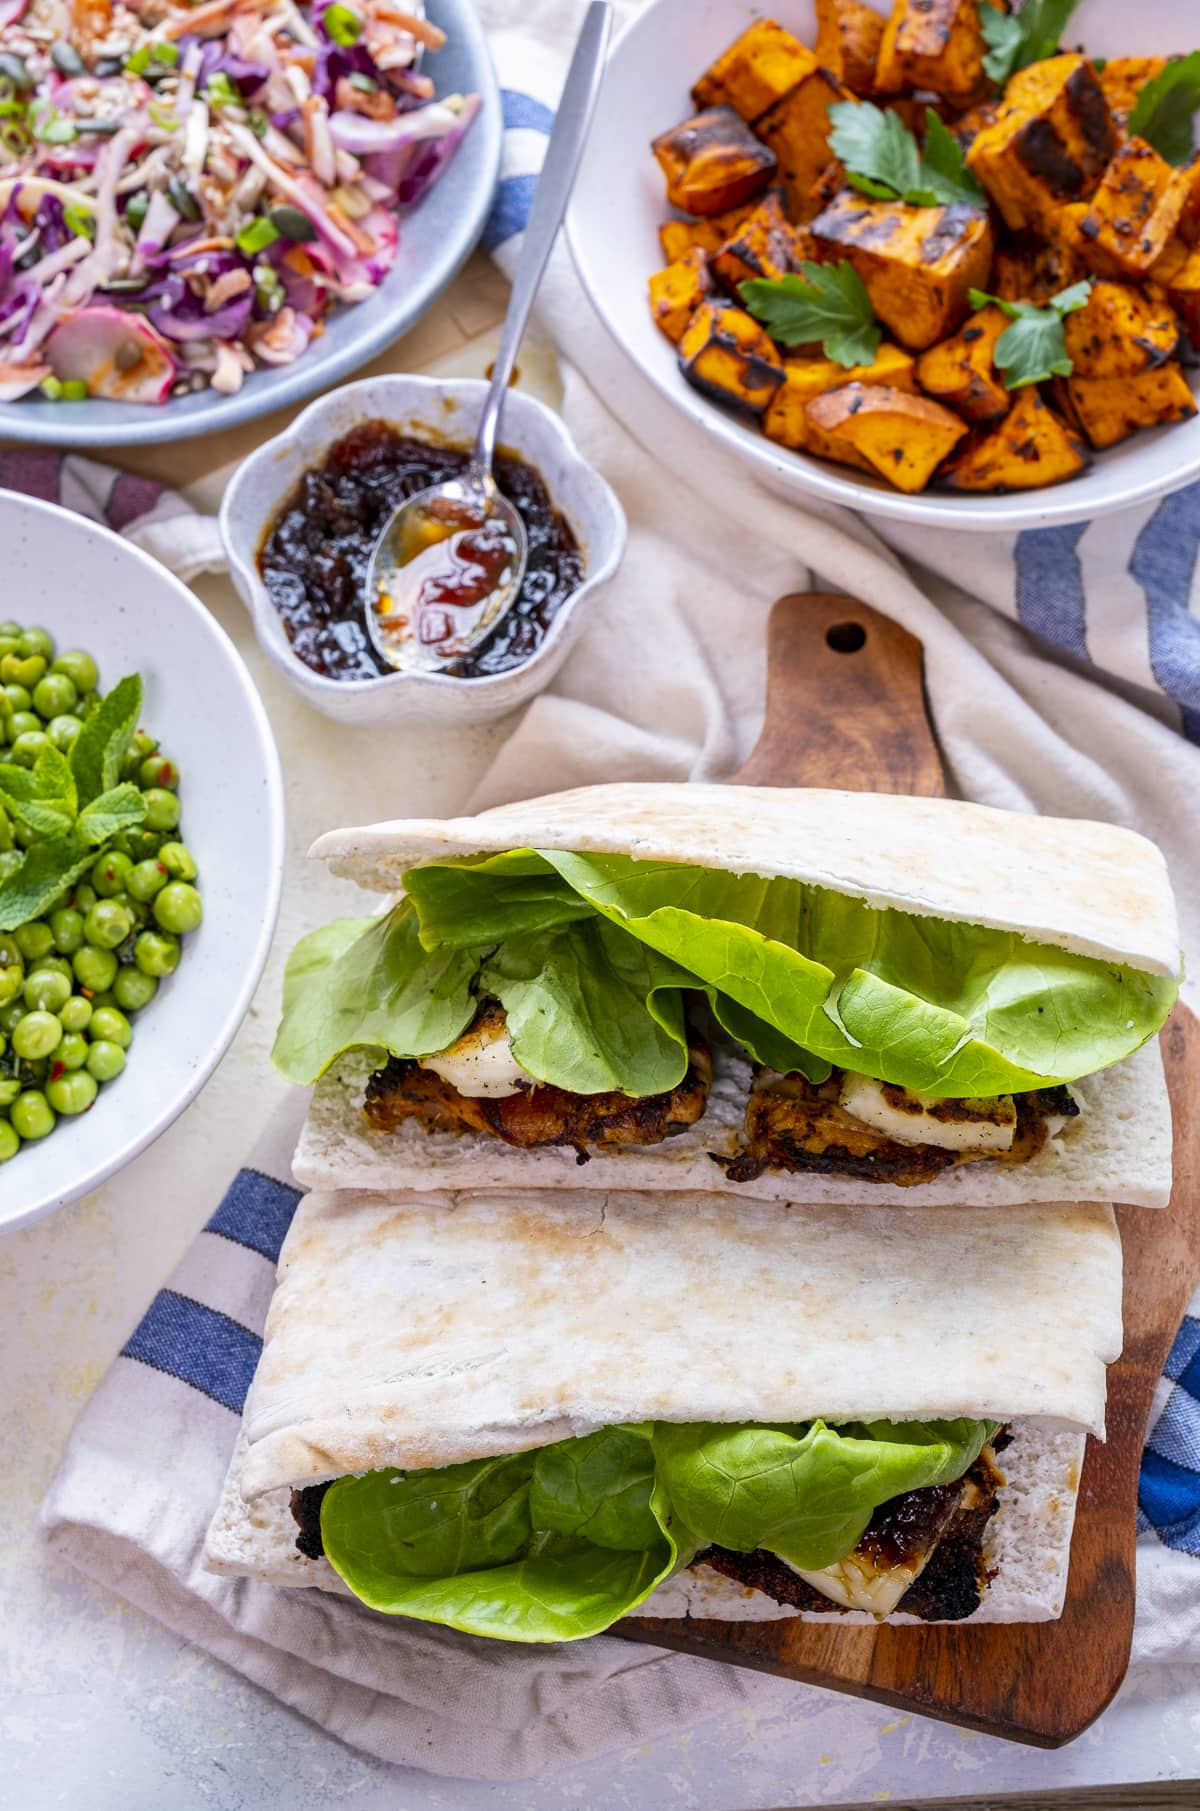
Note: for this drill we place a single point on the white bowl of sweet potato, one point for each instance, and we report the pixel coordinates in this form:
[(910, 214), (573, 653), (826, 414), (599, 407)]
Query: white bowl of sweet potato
[(924, 258)]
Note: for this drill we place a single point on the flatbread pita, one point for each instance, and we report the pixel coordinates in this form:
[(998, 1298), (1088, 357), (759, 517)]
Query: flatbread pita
[(1091, 888)]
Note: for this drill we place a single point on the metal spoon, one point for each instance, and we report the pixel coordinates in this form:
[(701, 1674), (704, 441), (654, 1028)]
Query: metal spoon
[(450, 561)]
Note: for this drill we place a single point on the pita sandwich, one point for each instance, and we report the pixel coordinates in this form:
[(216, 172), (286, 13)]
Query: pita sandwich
[(780, 993), (527, 1415)]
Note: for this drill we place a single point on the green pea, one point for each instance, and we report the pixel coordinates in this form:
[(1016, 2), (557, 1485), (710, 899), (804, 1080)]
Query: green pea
[(162, 809), (132, 989), (156, 954), (72, 1053), (20, 698), (107, 924), (10, 951), (148, 878), (79, 668), (64, 732), (72, 1093), (95, 969), (46, 991), (84, 897), (110, 874), (34, 940), (38, 1034), (54, 696), (59, 964), (10, 1143), (28, 746), (16, 669), (24, 723), (178, 908), (106, 996), (11, 982), (31, 1114), (179, 861), (11, 1015), (105, 1061), (143, 744), (112, 1027), (66, 927), (156, 770), (76, 1014), (37, 642)]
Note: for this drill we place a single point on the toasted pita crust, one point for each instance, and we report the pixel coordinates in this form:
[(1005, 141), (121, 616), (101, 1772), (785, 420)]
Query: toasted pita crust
[(1028, 1541), (1119, 1149), (1090, 888), (420, 1330)]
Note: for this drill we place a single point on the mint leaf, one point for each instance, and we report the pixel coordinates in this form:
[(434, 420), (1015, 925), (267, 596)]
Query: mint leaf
[(1017, 39), (828, 306), (103, 742), (1034, 348), (53, 779), (1162, 112), (43, 819), (120, 808), (48, 869), (882, 158), (879, 152)]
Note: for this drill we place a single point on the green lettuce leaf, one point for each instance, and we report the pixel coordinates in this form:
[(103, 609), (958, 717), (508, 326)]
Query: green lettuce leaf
[(560, 1543)]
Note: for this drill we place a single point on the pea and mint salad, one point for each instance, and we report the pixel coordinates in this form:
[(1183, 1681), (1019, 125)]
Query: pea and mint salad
[(97, 889)]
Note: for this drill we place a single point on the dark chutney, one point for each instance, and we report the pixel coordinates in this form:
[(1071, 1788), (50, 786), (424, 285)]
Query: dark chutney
[(314, 560)]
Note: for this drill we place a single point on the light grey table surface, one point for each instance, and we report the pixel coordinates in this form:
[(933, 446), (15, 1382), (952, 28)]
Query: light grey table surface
[(102, 1709)]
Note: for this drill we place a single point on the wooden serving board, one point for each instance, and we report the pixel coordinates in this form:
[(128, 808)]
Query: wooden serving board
[(846, 708)]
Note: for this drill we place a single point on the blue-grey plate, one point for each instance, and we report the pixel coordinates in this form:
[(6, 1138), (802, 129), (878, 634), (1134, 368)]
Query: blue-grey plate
[(436, 240)]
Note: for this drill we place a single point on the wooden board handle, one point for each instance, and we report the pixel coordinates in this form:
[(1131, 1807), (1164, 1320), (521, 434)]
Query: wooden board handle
[(845, 702)]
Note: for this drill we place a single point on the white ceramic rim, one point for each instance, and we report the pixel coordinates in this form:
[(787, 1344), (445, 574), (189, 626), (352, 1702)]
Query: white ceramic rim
[(244, 561), (1017, 511), (239, 1003)]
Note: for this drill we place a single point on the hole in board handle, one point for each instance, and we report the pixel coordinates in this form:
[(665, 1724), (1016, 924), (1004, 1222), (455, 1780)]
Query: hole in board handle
[(846, 638)]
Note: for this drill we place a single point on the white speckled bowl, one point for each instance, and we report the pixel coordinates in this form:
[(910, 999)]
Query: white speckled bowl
[(445, 409), (93, 590)]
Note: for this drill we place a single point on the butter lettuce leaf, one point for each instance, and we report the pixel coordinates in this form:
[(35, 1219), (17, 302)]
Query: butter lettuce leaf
[(560, 1543)]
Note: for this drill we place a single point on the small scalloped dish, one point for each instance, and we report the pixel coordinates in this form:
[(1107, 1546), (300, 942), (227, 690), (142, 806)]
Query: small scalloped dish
[(443, 410)]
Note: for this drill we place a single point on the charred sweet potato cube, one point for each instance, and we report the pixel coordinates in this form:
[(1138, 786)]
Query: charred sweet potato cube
[(1119, 332), (1050, 143), (936, 44), (766, 244), (1167, 266), (1032, 270), (726, 355), (1134, 212), (1122, 80), (786, 419), (677, 292), (1032, 447), (1110, 409), (713, 162), (1183, 293), (902, 436), (918, 264), (848, 35), (961, 371), (797, 130), (679, 236), (757, 70), (967, 127), (1189, 220)]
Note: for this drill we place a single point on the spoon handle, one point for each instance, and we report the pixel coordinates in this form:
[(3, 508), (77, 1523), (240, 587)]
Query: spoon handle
[(550, 199)]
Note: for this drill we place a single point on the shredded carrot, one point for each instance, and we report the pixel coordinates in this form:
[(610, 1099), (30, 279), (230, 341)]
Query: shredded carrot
[(363, 243), (430, 35)]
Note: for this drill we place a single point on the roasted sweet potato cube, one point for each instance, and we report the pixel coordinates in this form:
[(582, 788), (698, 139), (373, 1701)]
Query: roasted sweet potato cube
[(1050, 143), (1032, 447), (1189, 220), (726, 355), (1122, 80), (967, 127), (677, 292), (902, 436), (961, 371), (1119, 332), (1134, 212), (713, 162), (786, 419), (679, 236), (918, 264), (766, 244), (936, 44), (1183, 293), (1167, 266), (1110, 409), (797, 130), (848, 35), (757, 70), (1032, 270)]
